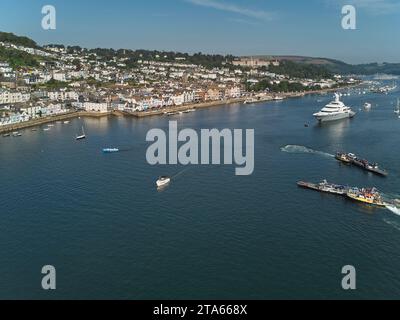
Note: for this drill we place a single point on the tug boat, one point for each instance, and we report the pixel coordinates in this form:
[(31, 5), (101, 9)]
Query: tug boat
[(351, 158), (324, 186), (369, 196), (163, 181)]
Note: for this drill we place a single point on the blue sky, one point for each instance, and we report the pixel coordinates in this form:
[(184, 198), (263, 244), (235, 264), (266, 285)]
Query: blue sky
[(240, 27)]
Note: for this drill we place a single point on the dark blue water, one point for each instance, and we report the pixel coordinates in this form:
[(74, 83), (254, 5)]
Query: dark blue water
[(211, 235)]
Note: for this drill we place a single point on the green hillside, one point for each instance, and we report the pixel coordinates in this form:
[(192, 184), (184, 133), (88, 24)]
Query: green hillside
[(18, 58), (337, 66), (295, 66), (17, 40)]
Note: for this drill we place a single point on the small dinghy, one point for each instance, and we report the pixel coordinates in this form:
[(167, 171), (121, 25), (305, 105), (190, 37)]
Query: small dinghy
[(110, 150)]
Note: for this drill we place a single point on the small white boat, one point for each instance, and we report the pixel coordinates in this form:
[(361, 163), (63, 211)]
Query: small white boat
[(367, 106), (66, 122), (251, 100), (163, 181), (46, 129), (82, 136), (110, 150), (397, 110)]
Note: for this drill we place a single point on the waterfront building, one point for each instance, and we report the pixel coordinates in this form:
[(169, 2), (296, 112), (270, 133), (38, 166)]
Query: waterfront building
[(99, 107), (13, 119), (178, 99), (53, 109), (7, 97), (213, 94), (63, 95), (188, 97)]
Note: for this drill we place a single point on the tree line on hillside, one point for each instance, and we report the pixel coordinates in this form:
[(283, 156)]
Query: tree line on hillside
[(301, 70), (133, 56), (283, 86), (18, 58), (17, 40), (365, 69)]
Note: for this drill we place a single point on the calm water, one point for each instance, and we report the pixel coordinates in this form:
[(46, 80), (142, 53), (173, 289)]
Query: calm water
[(99, 219)]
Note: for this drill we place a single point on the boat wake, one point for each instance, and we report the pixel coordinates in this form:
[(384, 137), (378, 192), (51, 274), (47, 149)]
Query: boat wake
[(125, 149), (394, 224), (180, 173), (393, 208), (302, 149)]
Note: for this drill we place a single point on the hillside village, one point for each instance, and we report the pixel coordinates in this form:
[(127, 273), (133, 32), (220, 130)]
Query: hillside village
[(52, 80)]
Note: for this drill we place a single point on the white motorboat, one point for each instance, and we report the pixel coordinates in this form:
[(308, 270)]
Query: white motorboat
[(163, 181), (367, 106), (251, 100), (335, 110)]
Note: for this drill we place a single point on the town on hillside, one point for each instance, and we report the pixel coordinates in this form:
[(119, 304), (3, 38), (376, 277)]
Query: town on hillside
[(37, 82)]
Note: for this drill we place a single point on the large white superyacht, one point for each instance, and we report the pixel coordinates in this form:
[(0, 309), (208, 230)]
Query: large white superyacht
[(334, 110)]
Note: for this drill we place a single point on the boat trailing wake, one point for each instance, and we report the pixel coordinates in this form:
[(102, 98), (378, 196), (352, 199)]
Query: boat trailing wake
[(302, 149)]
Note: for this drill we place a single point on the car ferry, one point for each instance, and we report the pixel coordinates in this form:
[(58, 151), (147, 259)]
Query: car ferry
[(369, 196)]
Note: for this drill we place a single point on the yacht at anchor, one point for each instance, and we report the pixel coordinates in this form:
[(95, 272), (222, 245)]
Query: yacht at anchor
[(334, 110)]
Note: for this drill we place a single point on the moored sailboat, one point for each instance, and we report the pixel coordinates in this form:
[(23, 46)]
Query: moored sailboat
[(82, 136)]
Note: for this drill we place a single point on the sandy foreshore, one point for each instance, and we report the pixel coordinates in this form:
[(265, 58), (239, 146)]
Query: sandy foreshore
[(158, 112)]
